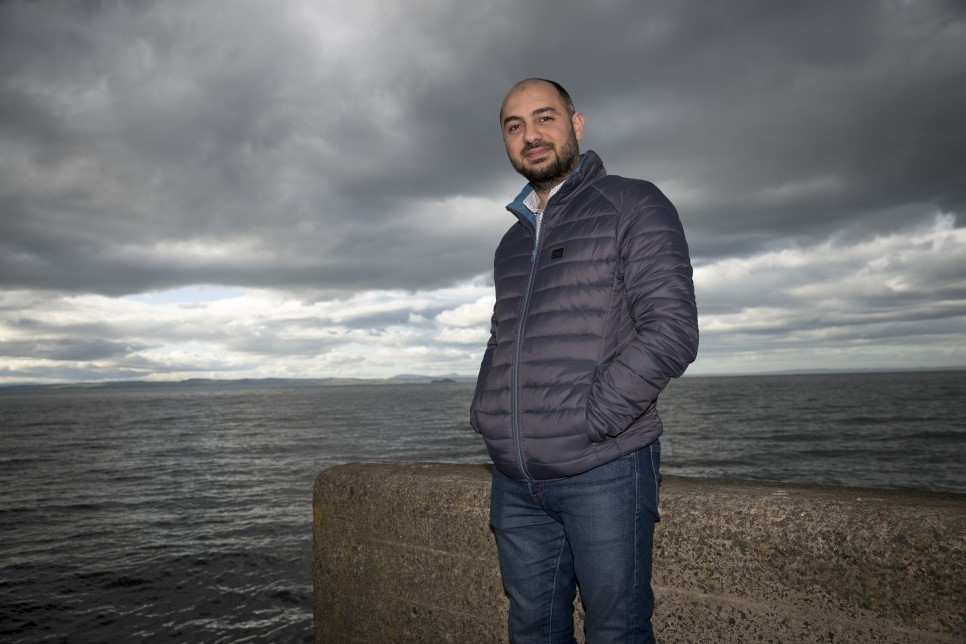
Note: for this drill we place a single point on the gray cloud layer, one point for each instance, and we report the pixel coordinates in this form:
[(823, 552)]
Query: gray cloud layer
[(309, 147), (816, 152)]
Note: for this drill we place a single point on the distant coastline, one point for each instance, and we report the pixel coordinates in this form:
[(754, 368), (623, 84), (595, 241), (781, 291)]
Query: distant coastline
[(420, 379), (246, 382)]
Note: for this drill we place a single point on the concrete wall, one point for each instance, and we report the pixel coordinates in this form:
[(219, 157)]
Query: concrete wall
[(404, 553)]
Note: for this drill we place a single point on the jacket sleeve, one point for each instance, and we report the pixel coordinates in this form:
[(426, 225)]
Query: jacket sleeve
[(484, 370), (660, 298)]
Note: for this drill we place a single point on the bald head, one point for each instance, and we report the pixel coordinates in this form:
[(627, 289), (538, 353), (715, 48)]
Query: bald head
[(527, 83)]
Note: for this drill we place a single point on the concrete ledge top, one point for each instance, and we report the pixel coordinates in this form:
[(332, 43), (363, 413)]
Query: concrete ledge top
[(473, 475)]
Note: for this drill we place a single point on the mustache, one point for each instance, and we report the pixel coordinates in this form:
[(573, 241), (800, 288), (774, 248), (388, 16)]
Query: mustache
[(537, 144)]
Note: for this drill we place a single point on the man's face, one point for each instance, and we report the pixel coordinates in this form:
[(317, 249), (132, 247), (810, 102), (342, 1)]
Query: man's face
[(540, 137)]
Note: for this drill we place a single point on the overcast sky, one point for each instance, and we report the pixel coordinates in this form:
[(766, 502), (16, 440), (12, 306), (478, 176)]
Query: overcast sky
[(231, 188)]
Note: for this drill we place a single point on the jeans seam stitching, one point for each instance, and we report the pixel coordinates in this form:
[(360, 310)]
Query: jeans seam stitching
[(553, 590)]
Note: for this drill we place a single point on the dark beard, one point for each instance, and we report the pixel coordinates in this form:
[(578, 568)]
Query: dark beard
[(544, 178)]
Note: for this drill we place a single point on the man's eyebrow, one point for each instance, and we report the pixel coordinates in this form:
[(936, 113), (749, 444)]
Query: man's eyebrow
[(542, 110), (539, 110)]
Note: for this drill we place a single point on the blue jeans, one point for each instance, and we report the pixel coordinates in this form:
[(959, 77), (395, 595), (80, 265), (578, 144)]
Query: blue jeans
[(595, 529)]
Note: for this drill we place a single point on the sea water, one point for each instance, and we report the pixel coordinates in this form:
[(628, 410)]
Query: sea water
[(183, 513)]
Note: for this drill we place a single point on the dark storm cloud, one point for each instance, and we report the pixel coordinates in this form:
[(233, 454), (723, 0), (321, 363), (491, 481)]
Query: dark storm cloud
[(795, 120), (153, 145)]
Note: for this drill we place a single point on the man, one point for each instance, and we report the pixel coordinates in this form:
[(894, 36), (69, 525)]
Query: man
[(594, 314)]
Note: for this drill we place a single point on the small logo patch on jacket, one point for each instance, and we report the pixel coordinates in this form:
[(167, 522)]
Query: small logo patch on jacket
[(557, 253)]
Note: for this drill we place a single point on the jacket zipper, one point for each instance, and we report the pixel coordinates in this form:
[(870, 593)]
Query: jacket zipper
[(517, 350)]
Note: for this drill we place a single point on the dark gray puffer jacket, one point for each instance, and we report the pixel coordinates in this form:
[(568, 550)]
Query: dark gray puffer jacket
[(588, 327)]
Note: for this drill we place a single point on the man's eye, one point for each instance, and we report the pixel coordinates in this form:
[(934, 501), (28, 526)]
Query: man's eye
[(513, 128)]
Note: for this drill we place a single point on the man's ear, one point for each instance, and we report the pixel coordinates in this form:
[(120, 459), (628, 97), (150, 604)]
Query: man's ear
[(578, 121)]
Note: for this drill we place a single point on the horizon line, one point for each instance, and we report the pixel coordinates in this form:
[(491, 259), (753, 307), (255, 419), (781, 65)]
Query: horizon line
[(428, 379)]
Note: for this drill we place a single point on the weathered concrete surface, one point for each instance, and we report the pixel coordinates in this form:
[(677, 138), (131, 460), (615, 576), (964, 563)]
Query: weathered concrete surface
[(404, 553)]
